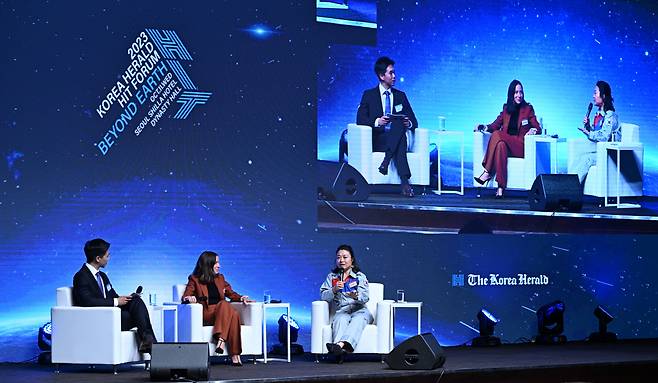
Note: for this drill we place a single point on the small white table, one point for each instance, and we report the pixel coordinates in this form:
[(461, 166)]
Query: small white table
[(164, 320), (618, 147), (460, 135), (395, 305), (274, 306)]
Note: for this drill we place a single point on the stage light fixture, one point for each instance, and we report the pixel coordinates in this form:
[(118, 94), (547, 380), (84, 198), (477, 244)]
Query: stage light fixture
[(604, 318), (487, 323), (295, 348), (550, 323), (44, 339)]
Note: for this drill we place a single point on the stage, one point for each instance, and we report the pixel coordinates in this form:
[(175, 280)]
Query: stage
[(624, 361), (477, 212)]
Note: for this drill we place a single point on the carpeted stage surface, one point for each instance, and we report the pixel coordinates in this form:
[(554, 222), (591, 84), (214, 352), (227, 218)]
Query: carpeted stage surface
[(626, 361)]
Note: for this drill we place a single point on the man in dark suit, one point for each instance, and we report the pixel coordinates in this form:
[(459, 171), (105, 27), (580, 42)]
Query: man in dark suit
[(92, 288), (388, 133)]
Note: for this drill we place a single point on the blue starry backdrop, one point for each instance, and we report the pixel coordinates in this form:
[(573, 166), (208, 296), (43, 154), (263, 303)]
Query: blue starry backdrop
[(237, 177), (456, 60)]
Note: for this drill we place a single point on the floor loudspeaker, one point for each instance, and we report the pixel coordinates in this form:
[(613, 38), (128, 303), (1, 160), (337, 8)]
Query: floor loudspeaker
[(552, 192), (341, 182), (420, 352), (175, 361)]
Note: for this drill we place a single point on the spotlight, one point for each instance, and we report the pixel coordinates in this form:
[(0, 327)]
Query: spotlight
[(283, 335), (487, 323), (44, 339), (604, 318), (550, 323)]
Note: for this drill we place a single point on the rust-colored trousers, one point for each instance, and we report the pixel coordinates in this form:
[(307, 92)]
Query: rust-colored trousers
[(501, 146), (226, 325)]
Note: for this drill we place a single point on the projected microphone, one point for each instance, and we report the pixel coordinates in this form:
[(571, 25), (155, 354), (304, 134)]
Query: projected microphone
[(589, 110)]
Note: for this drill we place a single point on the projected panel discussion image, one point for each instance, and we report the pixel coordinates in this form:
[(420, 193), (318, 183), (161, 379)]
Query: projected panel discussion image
[(498, 117)]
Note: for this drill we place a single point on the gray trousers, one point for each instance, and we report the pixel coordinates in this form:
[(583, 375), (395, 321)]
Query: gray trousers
[(348, 326), (582, 165)]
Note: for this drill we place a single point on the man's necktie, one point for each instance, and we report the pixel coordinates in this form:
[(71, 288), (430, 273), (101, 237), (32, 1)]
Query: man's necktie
[(100, 283), (387, 108)]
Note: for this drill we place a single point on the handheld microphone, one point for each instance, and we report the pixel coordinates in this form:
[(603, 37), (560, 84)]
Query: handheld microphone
[(137, 292), (589, 110)]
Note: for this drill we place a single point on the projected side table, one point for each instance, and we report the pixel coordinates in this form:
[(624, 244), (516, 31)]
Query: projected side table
[(164, 320), (395, 305), (618, 148), (275, 306), (460, 135)]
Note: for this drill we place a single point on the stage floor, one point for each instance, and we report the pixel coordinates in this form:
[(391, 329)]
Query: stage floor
[(624, 361), (477, 212)]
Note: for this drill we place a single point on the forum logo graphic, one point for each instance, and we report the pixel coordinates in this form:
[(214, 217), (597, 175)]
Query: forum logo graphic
[(495, 279), (153, 81)]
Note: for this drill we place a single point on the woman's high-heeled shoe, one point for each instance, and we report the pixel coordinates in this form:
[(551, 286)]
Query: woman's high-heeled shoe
[(499, 193), (219, 349), (483, 181)]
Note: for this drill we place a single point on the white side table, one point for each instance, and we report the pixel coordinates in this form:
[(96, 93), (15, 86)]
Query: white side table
[(274, 306), (618, 147), (164, 320), (395, 305), (460, 135)]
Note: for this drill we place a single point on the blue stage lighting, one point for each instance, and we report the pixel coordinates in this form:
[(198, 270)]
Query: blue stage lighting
[(294, 329), (44, 339), (487, 323), (550, 323)]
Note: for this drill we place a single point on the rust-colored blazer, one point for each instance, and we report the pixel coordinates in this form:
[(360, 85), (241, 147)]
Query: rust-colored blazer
[(198, 289), (526, 113)]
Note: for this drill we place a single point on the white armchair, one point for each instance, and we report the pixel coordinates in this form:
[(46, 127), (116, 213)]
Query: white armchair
[(604, 173), (376, 336), (363, 159), (539, 158), (90, 335), (191, 328)]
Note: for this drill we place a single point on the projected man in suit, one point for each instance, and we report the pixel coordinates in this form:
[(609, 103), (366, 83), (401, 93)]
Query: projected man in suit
[(388, 134), (92, 288)]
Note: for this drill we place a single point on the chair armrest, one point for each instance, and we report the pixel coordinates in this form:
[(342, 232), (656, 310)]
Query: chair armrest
[(190, 322), (71, 326), (251, 314), (319, 319), (359, 143), (421, 141), (384, 328)]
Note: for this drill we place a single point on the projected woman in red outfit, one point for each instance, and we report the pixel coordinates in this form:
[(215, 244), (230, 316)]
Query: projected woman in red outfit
[(516, 120)]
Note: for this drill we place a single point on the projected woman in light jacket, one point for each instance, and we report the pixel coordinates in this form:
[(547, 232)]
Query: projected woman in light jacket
[(604, 128)]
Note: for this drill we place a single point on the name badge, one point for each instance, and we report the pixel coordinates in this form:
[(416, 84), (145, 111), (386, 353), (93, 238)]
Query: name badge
[(108, 287), (398, 108), (524, 122), (353, 284)]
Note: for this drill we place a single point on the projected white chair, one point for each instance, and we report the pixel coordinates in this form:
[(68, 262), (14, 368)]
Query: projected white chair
[(191, 328), (90, 335), (604, 174), (376, 336), (363, 159), (540, 157)]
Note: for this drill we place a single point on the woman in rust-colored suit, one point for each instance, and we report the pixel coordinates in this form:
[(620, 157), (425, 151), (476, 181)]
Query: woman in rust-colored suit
[(508, 130), (209, 288)]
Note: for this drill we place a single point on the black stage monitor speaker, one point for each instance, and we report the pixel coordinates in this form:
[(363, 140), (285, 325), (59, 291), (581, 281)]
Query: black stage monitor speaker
[(551, 192), (341, 182), (420, 352), (174, 361)]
